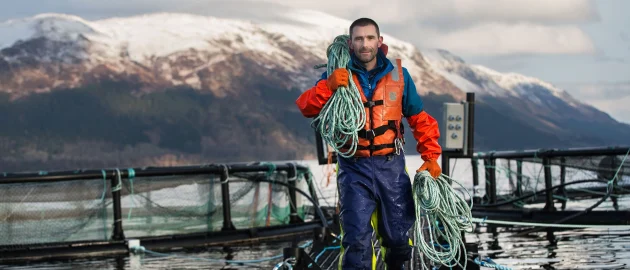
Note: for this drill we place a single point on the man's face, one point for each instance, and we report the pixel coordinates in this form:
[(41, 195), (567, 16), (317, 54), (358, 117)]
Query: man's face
[(365, 42)]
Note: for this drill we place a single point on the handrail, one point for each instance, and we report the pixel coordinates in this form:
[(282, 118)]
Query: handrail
[(68, 175), (543, 152)]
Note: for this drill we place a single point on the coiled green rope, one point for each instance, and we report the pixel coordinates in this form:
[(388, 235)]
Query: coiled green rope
[(344, 114), (445, 214)]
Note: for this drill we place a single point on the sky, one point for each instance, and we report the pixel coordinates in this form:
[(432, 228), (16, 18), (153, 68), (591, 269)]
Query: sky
[(581, 46)]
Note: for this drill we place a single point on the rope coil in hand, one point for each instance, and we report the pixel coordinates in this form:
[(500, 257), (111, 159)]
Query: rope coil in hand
[(446, 215), (344, 114)]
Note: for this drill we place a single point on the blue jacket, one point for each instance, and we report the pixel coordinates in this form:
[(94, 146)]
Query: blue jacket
[(412, 102)]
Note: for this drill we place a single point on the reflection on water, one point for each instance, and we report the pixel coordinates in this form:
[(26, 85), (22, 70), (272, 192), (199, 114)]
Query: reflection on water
[(209, 258), (570, 249)]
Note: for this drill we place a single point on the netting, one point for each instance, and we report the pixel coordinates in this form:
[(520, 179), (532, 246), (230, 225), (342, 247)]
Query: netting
[(585, 177), (83, 210), (155, 206), (67, 211)]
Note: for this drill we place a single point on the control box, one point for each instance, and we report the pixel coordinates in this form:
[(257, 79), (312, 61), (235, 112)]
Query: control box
[(454, 127)]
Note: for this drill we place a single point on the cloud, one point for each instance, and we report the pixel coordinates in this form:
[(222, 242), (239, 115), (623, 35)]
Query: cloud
[(387, 12), (244, 9), (604, 58), (610, 97), (502, 39), (453, 11), (541, 11), (600, 90), (473, 27), (617, 108)]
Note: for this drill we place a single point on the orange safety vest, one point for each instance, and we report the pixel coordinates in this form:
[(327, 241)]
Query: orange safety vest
[(383, 115)]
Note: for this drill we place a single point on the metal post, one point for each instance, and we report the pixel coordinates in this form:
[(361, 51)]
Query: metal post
[(293, 218), (225, 195), (486, 167), (519, 178), (446, 165), (210, 208), (311, 187), (548, 184), (105, 213), (118, 233), (470, 99), (614, 166), (312, 192), (510, 175), (493, 180), (475, 171), (563, 173), (149, 205)]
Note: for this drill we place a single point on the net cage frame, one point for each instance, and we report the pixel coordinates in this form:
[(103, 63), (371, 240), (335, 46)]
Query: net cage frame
[(583, 175), (295, 184)]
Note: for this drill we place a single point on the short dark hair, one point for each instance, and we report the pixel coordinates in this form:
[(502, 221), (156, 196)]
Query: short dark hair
[(364, 22)]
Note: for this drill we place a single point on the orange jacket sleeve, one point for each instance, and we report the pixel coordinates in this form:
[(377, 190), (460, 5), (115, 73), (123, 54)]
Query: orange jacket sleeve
[(426, 132), (313, 100)]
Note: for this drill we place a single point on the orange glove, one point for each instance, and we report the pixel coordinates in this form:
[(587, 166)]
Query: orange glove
[(338, 78), (433, 168)]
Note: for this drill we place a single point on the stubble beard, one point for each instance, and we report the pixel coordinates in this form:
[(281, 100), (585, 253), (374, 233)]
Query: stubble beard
[(368, 59)]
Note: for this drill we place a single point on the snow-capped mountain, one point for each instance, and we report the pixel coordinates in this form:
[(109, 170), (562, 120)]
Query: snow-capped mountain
[(244, 78), (172, 49), (483, 80), (531, 100)]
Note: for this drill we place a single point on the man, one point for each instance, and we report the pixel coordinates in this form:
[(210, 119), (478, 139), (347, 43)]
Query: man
[(375, 180)]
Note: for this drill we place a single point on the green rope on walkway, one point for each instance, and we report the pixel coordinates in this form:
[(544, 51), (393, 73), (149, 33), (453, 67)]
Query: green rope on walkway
[(447, 215), (344, 114)]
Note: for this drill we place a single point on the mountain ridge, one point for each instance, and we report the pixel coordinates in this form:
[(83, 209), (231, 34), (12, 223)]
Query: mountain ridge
[(177, 90)]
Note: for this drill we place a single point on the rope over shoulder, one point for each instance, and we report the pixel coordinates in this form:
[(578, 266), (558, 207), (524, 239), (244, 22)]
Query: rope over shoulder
[(344, 114)]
